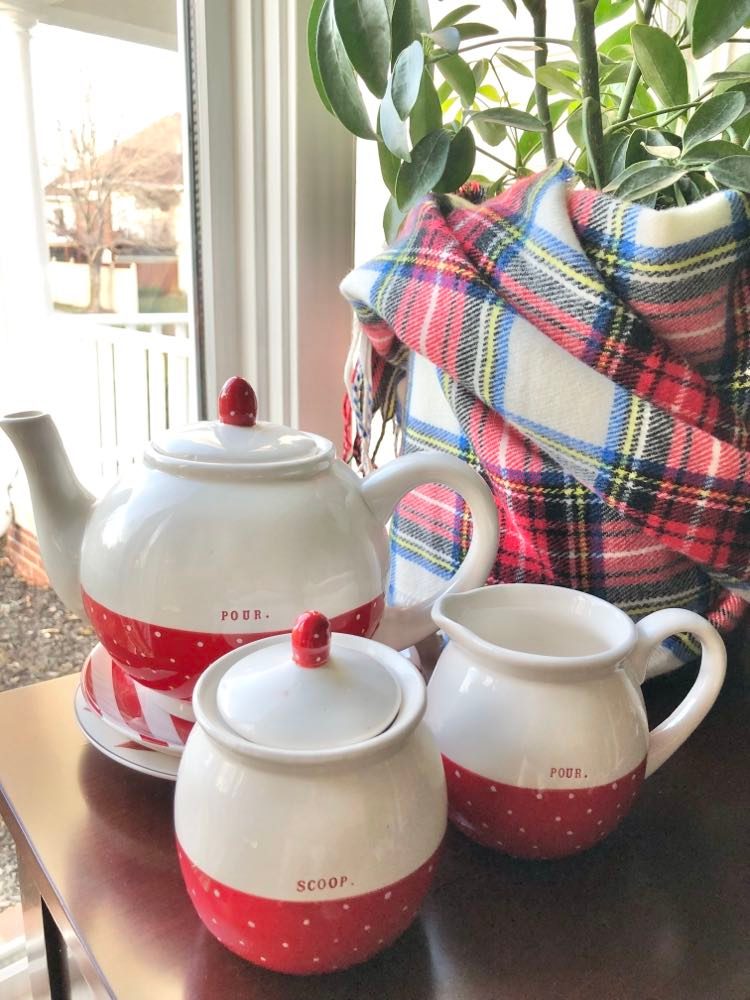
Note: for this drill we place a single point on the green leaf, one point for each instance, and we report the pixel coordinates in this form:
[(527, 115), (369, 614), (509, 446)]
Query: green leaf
[(480, 70), (460, 163), (447, 38), (510, 117), (457, 73), (490, 132), (515, 65), (338, 77), (312, 34), (712, 118), (619, 37), (715, 21), (511, 6), (457, 15), (729, 76), (707, 152), (427, 114), (389, 166), (732, 172), (590, 109), (473, 29), (428, 160), (487, 90), (615, 145), (410, 20), (556, 81), (365, 30), (661, 62), (406, 79), (663, 152), (608, 10), (618, 73), (392, 219), (643, 179), (394, 131)]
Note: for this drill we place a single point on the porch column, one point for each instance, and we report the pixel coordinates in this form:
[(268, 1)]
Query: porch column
[(24, 294)]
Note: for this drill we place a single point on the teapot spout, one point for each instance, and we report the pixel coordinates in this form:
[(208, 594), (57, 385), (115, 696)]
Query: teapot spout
[(61, 504)]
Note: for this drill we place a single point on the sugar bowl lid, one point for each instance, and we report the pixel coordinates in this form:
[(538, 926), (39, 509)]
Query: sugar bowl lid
[(309, 691), (238, 439)]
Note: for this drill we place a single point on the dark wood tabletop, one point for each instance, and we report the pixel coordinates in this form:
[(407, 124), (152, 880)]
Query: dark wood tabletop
[(659, 910)]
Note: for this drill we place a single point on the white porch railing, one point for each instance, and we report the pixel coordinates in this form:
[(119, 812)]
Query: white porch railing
[(134, 376)]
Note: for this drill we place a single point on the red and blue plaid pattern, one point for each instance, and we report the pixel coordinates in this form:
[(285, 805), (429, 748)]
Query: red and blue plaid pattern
[(590, 357)]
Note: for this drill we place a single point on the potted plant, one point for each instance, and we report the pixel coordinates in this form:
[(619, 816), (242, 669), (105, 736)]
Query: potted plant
[(629, 110)]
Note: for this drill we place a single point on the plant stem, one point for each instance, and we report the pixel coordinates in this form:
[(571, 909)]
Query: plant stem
[(584, 12), (635, 72), (660, 111), (536, 39), (486, 152), (538, 11)]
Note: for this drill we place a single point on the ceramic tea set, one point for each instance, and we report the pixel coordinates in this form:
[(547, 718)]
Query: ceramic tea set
[(312, 766)]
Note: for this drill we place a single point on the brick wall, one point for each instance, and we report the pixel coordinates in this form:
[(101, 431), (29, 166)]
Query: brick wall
[(22, 549)]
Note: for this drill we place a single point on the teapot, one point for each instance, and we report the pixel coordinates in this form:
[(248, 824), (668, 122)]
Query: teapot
[(223, 531), (536, 706), (310, 802)]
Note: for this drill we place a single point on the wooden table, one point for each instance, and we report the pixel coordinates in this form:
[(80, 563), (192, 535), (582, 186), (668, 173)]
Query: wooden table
[(659, 910)]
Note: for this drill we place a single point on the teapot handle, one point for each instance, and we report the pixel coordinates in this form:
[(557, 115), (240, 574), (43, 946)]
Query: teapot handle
[(654, 629), (402, 626)]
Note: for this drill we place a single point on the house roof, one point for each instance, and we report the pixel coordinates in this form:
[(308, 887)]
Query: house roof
[(152, 158)]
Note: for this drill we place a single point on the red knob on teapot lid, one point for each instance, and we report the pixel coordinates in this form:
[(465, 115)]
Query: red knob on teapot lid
[(238, 403), (311, 639)]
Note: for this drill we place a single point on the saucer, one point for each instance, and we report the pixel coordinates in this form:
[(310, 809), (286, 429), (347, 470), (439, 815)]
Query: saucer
[(129, 707), (110, 742)]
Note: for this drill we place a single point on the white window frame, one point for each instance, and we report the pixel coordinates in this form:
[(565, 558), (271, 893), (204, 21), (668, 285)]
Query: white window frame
[(274, 203)]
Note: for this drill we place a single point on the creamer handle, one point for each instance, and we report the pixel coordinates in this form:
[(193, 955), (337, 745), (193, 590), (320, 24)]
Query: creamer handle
[(654, 629), (402, 625)]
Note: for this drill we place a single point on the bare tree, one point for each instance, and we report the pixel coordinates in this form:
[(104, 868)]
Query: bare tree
[(87, 182)]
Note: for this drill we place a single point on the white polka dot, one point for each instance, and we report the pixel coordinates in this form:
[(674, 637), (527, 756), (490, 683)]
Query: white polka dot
[(171, 659), (633, 777), (345, 906), (588, 812), (315, 958), (128, 628), (104, 617), (199, 645), (510, 812), (363, 632), (619, 805), (367, 927), (578, 847), (569, 833), (316, 636), (539, 795), (232, 413), (262, 958), (571, 795), (214, 920), (486, 826), (306, 922), (317, 659), (193, 891), (242, 943), (284, 944), (355, 949), (388, 895), (493, 788), (216, 892), (404, 909), (430, 868), (358, 617), (238, 641), (614, 784), (335, 940), (250, 923), (380, 940), (457, 774), (468, 802), (535, 847), (499, 843), (521, 830), (599, 822), (557, 819), (158, 635)]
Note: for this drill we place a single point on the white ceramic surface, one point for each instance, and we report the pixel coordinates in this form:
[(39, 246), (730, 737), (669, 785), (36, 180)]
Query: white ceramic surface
[(538, 681), (259, 819), (224, 532)]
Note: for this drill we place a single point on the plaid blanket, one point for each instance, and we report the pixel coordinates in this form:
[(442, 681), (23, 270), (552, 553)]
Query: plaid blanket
[(591, 357)]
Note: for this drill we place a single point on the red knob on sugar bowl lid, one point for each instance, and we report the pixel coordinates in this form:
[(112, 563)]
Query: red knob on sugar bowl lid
[(310, 802)]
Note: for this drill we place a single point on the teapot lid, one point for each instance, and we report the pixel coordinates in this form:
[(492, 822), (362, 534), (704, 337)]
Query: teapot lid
[(238, 437), (308, 691)]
